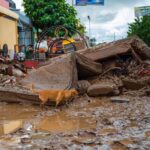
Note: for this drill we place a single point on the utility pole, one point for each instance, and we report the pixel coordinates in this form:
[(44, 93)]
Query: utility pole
[(89, 18), (72, 2), (114, 36)]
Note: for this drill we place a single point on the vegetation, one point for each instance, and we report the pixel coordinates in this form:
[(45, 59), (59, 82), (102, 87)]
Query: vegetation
[(47, 13), (141, 28)]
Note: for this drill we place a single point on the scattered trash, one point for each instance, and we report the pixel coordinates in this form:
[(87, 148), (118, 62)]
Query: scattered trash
[(119, 100), (26, 140)]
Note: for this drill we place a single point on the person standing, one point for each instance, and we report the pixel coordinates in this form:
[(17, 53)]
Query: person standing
[(21, 56)]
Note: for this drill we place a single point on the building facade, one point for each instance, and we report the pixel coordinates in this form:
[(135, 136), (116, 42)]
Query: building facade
[(8, 27), (25, 28)]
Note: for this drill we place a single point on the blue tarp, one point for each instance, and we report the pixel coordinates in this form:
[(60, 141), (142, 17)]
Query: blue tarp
[(89, 2)]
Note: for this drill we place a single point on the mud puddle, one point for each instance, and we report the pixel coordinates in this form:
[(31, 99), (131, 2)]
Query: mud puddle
[(62, 123), (95, 124), (13, 116), (16, 111)]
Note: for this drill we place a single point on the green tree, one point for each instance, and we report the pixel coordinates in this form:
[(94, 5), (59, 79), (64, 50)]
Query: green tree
[(141, 28), (47, 13)]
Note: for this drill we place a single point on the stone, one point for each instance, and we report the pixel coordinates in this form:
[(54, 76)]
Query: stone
[(82, 86), (101, 89), (133, 84), (116, 92)]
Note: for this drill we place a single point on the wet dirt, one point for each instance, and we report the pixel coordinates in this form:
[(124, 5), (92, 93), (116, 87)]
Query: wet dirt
[(96, 123)]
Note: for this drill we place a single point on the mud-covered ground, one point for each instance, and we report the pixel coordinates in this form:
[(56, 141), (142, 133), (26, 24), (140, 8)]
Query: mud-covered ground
[(95, 123)]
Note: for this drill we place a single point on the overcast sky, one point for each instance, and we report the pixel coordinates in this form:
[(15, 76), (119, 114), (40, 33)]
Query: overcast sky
[(107, 21)]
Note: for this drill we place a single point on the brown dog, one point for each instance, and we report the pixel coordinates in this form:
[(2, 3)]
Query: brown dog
[(54, 95)]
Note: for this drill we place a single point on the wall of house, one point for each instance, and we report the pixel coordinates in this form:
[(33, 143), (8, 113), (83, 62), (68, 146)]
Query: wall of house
[(4, 3), (8, 32)]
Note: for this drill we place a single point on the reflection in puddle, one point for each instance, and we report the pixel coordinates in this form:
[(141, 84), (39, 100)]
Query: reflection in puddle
[(16, 111), (10, 127), (12, 116), (63, 123)]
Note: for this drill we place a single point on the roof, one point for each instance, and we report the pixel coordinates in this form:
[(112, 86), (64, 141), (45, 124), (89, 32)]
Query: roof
[(23, 18), (12, 4), (8, 12)]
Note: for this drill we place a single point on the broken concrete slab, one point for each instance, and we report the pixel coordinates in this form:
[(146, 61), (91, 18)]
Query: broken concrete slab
[(87, 67), (141, 48), (119, 47), (16, 95), (101, 89), (62, 73)]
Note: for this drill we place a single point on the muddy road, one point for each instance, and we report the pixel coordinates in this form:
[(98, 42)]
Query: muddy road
[(98, 123)]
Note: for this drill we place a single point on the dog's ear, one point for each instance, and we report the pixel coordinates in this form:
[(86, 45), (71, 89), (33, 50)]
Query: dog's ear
[(74, 92)]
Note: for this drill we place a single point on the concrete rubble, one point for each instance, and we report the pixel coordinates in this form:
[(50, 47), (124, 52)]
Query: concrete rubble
[(101, 89), (107, 70)]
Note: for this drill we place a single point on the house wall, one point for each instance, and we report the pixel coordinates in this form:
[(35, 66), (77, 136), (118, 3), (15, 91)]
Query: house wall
[(8, 32), (4, 3)]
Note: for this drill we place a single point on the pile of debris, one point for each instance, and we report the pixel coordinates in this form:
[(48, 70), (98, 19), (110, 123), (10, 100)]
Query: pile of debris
[(119, 81), (10, 71), (112, 69), (125, 66)]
